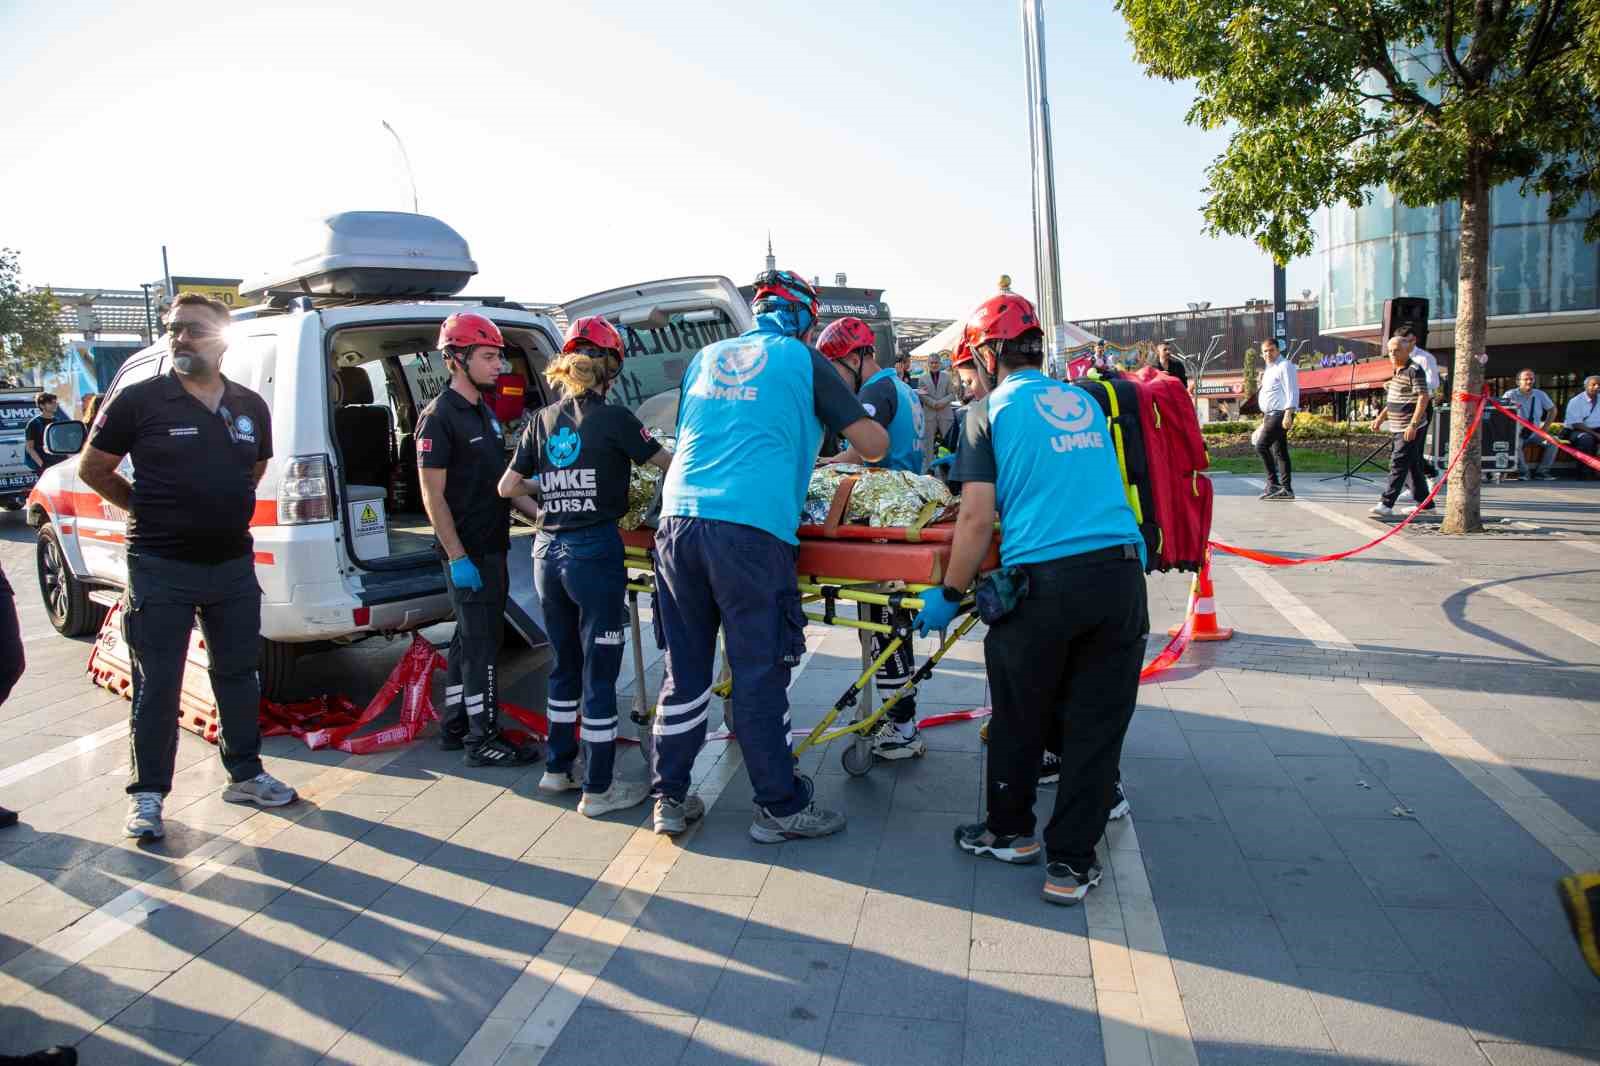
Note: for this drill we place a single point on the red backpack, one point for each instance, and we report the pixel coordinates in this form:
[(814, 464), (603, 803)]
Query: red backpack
[(1161, 453), (1176, 453)]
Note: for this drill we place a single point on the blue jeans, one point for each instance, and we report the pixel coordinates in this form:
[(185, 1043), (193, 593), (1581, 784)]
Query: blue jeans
[(712, 574), (581, 584)]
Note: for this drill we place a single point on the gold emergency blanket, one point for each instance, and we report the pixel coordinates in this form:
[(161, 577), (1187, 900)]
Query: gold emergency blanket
[(643, 480), (881, 497)]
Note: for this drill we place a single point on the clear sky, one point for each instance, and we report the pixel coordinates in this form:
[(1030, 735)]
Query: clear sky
[(582, 145)]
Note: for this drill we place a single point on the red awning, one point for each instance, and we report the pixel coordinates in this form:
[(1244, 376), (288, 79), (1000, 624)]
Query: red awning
[(1369, 374)]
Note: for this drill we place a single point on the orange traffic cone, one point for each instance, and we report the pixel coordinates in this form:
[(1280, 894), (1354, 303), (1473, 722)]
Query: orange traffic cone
[(1205, 611)]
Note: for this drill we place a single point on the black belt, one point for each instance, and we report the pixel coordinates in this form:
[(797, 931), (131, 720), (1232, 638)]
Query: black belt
[(1115, 553)]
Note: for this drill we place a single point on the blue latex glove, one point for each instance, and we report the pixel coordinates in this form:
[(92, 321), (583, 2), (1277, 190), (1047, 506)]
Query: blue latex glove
[(464, 574), (937, 613)]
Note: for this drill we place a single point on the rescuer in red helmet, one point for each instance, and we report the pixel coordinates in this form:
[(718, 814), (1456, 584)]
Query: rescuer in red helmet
[(460, 455), (1067, 609), (576, 459)]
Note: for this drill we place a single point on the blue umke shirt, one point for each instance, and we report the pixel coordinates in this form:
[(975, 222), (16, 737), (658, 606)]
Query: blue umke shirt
[(1045, 447), (893, 405), (751, 414)]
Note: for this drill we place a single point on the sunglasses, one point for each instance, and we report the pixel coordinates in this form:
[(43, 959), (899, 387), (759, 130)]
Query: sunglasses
[(197, 330)]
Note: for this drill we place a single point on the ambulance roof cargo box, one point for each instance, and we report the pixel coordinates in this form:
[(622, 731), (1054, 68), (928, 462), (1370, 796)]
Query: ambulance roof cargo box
[(374, 255)]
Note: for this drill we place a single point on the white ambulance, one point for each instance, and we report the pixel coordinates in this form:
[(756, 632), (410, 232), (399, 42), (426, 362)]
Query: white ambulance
[(341, 348)]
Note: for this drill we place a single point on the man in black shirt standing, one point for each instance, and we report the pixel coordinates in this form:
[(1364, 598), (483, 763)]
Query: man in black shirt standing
[(460, 455), (33, 445), (199, 444), (1167, 359)]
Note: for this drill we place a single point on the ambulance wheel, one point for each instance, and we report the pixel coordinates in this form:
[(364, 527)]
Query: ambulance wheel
[(66, 600), (857, 757), (276, 668)]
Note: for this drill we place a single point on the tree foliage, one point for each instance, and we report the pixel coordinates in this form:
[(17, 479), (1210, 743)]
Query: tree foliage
[(29, 334), (1439, 100), (1325, 99)]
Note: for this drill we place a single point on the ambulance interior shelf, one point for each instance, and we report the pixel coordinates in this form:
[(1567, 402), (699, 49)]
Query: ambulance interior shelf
[(382, 378)]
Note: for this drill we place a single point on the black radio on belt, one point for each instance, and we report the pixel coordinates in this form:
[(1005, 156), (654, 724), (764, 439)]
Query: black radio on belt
[(1000, 591)]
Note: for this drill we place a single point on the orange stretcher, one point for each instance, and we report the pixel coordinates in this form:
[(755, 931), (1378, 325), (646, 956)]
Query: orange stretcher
[(838, 563)]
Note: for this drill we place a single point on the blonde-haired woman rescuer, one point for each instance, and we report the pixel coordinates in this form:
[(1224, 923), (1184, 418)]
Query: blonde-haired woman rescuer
[(574, 459)]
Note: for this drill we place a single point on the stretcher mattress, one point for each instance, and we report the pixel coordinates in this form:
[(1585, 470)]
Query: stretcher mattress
[(865, 553)]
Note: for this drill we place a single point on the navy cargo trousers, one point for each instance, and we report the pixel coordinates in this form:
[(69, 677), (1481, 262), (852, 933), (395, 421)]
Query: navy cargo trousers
[(582, 587), (712, 574)]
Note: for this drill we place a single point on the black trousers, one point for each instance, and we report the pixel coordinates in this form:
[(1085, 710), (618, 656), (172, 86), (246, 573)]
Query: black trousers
[(158, 615), (1587, 441), (1405, 461), (1066, 662), (897, 669), (12, 661), (1274, 452), (472, 692)]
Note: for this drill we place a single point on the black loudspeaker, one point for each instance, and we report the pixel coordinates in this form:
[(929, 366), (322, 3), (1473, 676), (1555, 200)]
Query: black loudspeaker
[(1406, 311)]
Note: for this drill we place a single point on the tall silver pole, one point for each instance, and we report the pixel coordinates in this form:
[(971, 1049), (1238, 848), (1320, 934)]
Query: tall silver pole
[(1047, 263), (405, 158)]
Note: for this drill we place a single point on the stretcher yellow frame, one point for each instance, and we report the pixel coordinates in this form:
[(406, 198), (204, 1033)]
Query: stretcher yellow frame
[(856, 759)]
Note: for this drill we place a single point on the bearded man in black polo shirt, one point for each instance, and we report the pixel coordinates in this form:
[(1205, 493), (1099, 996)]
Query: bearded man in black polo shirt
[(199, 444)]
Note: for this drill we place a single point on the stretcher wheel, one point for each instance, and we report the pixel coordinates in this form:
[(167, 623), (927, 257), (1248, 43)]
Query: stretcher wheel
[(857, 757)]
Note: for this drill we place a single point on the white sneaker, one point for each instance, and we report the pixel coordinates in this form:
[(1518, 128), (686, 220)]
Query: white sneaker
[(619, 797), (557, 781), (144, 816), (1382, 510), (889, 743), (263, 790), (1119, 809)]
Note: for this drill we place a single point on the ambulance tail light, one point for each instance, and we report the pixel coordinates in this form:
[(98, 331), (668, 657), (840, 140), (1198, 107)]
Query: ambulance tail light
[(305, 493)]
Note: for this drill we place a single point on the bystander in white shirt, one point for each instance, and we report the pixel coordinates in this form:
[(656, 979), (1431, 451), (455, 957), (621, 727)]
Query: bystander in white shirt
[(1583, 410), (1280, 387), (1430, 366)]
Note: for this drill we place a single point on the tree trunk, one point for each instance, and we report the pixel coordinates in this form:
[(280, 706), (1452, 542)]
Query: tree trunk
[(1462, 510)]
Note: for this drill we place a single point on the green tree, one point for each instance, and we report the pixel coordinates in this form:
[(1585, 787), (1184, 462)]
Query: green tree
[(1252, 372), (1440, 100), (29, 334)]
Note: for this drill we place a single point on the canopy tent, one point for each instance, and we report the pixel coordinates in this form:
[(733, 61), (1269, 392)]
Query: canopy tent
[(945, 340)]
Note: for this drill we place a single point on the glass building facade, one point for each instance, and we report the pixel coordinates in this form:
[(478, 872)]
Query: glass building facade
[(1537, 265)]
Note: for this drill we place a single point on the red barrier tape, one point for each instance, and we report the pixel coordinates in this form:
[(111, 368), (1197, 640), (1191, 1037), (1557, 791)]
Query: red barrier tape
[(1179, 643), (332, 722), (1588, 460), (1269, 559)]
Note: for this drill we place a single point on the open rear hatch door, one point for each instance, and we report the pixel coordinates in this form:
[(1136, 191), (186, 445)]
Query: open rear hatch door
[(664, 323)]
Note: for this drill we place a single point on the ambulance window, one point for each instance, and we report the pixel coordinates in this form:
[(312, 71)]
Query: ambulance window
[(134, 372), (657, 358)]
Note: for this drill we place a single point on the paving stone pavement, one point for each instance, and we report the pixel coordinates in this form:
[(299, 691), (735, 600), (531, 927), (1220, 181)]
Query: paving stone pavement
[(1347, 823)]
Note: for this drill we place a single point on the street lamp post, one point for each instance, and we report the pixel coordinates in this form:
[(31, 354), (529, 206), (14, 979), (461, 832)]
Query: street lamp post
[(1046, 260), (405, 158)]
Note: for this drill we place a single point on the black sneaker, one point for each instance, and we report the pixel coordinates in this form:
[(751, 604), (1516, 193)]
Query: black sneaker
[(498, 751), (1050, 768), (1120, 808), (978, 839), (7, 818), (1271, 491), (1282, 495), (449, 741), (59, 1055), (1065, 886)]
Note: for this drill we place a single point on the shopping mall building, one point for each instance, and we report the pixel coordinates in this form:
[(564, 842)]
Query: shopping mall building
[(1544, 282)]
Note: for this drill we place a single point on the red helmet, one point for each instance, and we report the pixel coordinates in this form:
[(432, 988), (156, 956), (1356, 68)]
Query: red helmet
[(845, 336), (1000, 318), (787, 286), (962, 355), (466, 329), (596, 331)]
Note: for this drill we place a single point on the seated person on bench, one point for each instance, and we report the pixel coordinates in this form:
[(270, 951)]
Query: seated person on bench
[(1583, 421), (1534, 406)]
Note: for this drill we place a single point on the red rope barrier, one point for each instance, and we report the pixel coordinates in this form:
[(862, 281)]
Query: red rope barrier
[(1268, 559)]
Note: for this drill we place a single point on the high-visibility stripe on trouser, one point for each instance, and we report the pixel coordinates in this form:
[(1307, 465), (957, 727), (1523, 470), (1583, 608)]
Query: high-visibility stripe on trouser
[(896, 671), (581, 584), (719, 574)]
